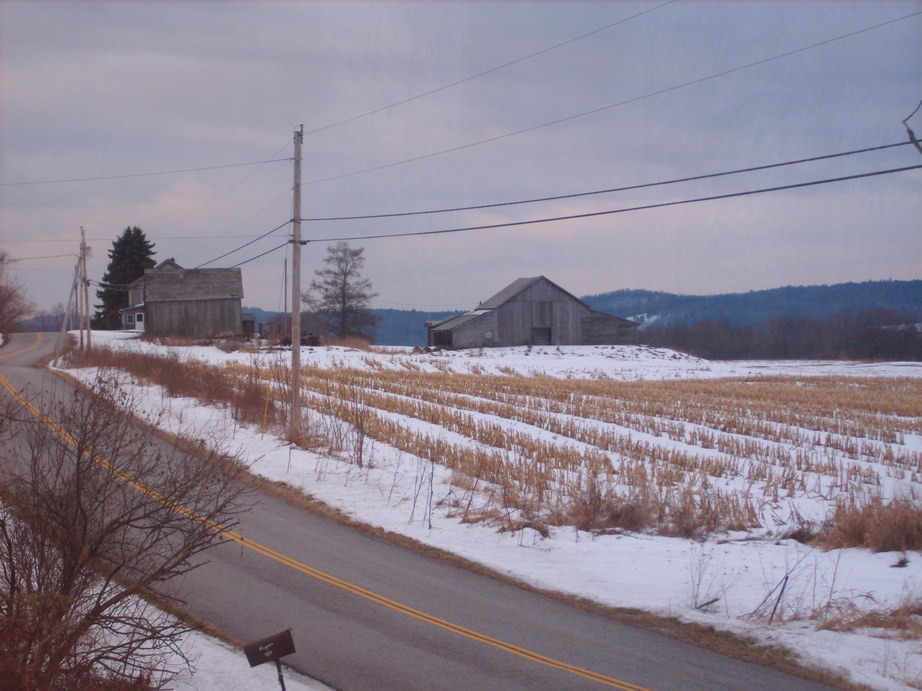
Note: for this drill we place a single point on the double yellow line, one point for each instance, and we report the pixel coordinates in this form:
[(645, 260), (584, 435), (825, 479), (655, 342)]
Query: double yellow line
[(35, 344), (301, 567)]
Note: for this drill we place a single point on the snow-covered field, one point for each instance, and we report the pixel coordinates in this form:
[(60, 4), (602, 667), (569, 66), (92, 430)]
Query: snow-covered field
[(729, 580)]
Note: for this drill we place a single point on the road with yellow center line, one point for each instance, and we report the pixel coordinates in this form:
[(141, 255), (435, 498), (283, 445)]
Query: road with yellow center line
[(356, 660)]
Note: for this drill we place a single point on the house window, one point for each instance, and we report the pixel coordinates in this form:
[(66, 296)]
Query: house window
[(140, 318), (129, 318)]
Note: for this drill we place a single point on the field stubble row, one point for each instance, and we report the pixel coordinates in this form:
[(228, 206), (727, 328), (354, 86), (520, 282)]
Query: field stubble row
[(679, 457)]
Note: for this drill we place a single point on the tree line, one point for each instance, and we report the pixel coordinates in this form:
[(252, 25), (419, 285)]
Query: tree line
[(871, 334)]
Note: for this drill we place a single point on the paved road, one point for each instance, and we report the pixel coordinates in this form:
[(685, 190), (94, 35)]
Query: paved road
[(365, 614)]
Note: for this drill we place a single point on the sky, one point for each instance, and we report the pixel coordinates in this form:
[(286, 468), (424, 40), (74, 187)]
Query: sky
[(423, 106)]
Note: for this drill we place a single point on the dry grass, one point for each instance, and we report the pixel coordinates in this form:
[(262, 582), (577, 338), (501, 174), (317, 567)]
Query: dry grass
[(683, 458), (883, 526), (902, 621)]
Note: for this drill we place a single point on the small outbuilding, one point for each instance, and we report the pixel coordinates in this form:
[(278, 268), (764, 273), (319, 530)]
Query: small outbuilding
[(169, 300), (531, 311)]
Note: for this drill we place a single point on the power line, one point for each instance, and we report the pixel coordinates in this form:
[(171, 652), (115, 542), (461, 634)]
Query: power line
[(247, 244), (600, 109), (47, 256), (225, 192), (487, 71), (212, 238), (575, 195), (265, 253), (624, 210), (908, 117), (153, 238), (141, 175)]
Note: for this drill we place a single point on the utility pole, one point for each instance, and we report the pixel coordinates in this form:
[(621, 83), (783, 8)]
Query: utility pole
[(295, 421), (72, 301), (84, 252)]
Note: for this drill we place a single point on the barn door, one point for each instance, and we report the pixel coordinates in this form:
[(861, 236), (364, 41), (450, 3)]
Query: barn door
[(541, 336), (542, 317)]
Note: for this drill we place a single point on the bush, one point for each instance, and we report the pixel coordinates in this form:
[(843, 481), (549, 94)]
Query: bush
[(882, 527)]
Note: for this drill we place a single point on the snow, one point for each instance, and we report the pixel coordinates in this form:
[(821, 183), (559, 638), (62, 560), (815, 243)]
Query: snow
[(738, 574), (221, 666)]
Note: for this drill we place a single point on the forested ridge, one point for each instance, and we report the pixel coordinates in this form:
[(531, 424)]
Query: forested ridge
[(871, 320)]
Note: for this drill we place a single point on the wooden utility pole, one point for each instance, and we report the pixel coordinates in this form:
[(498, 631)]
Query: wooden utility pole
[(72, 302), (295, 421), (85, 320)]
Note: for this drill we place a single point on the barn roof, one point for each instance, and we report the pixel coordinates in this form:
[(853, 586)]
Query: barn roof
[(458, 320), (516, 287), (509, 292)]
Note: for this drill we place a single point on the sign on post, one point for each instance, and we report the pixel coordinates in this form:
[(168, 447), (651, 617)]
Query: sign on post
[(270, 649)]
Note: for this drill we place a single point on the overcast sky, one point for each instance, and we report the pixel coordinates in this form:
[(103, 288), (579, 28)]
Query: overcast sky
[(517, 101)]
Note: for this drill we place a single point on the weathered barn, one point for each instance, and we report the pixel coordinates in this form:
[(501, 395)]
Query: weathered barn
[(169, 300), (531, 311)]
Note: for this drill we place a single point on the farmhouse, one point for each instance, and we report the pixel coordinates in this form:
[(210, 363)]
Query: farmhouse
[(169, 300), (531, 311)]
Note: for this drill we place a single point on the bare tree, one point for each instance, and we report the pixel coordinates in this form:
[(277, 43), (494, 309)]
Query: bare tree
[(13, 302), (45, 320), (341, 295), (94, 518)]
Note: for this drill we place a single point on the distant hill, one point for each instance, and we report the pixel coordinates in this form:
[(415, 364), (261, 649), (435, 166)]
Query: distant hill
[(743, 309), (408, 327), (405, 327), (396, 327)]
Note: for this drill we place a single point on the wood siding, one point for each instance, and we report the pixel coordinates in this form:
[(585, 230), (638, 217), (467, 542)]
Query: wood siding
[(201, 303), (532, 311), (477, 333), (542, 305), (196, 318), (604, 329)]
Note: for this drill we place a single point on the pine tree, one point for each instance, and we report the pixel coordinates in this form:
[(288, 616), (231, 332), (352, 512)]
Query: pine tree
[(341, 296), (131, 253)]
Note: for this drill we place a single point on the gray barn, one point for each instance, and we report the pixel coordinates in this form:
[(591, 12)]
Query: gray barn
[(169, 300), (531, 311)]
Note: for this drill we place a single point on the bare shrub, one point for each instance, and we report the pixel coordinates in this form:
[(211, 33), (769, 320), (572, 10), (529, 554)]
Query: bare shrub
[(870, 522), (14, 304), (902, 621), (98, 515)]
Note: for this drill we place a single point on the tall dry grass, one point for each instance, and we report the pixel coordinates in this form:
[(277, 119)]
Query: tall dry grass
[(883, 526), (680, 457)]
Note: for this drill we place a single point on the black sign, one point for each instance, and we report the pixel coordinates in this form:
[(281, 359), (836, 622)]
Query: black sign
[(270, 648)]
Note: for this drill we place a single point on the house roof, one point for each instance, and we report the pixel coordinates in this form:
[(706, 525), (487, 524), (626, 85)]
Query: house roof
[(169, 281), (168, 265)]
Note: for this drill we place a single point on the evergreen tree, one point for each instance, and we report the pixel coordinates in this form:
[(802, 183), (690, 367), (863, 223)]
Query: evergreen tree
[(341, 296), (131, 253)]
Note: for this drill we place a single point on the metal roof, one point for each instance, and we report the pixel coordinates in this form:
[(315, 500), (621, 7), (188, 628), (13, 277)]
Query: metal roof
[(456, 321), (509, 292)]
